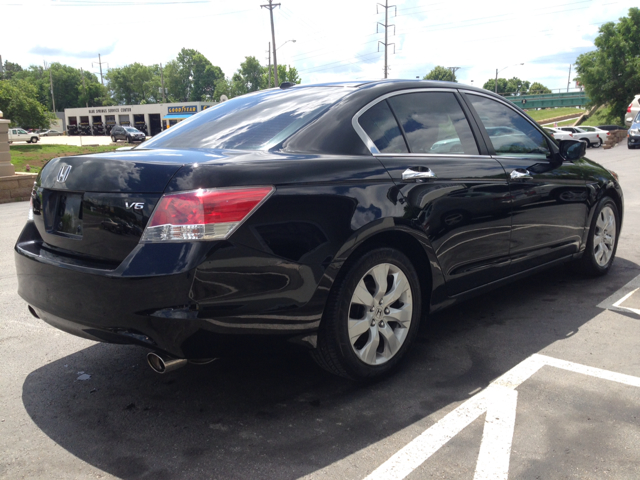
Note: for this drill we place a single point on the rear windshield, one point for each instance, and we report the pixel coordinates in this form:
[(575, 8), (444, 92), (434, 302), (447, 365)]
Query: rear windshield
[(257, 121)]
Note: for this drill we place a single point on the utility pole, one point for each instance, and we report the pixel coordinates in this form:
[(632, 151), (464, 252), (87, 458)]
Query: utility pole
[(271, 6), (386, 32), (269, 78), (453, 71), (84, 85), (164, 99), (99, 62), (569, 79), (53, 100)]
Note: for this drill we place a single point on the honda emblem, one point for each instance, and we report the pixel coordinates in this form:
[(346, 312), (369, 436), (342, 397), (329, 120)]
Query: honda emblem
[(63, 173)]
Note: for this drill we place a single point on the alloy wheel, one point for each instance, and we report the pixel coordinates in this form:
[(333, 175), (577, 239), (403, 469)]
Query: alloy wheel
[(380, 314), (604, 239)]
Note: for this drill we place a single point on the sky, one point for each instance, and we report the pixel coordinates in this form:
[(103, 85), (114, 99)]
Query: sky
[(335, 40)]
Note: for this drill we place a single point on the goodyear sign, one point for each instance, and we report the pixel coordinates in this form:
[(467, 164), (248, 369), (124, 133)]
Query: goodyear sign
[(184, 109), (204, 107)]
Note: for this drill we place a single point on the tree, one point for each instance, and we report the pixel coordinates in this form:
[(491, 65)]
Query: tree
[(537, 88), (9, 69), (68, 88), (490, 85), (515, 86), (249, 77), (441, 73), (610, 73), (191, 77), (135, 84), (286, 73), (18, 103)]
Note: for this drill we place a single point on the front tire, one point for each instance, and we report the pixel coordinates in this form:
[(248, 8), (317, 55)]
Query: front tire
[(114, 139), (603, 239), (372, 316)]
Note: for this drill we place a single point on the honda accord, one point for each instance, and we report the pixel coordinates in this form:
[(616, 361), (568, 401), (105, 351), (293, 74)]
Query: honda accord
[(316, 214)]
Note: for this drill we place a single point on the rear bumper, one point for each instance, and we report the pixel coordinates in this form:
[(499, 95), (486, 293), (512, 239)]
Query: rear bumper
[(183, 310)]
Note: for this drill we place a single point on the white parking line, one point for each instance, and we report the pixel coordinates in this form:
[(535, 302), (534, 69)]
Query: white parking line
[(499, 401), (615, 301)]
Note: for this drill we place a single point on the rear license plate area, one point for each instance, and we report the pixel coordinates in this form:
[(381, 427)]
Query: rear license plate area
[(64, 215)]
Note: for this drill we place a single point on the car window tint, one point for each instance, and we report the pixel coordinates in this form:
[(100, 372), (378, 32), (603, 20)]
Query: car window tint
[(255, 121), (522, 139), (434, 122), (381, 127)]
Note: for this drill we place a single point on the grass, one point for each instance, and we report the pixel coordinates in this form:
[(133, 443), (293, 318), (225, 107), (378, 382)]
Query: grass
[(600, 118), (35, 156), (541, 115)]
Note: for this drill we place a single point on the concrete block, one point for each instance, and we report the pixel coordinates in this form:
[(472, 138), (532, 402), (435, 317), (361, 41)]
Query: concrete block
[(21, 193), (9, 183)]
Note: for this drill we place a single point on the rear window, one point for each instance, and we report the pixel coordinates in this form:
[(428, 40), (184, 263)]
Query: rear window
[(257, 121)]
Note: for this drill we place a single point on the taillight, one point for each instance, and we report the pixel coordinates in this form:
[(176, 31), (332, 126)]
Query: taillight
[(571, 135), (629, 108), (203, 214)]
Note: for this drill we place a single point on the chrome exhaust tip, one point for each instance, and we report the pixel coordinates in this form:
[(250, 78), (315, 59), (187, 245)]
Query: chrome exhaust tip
[(161, 363)]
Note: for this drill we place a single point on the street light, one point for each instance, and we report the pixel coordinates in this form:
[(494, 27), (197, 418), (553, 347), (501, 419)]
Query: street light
[(285, 43), (498, 71)]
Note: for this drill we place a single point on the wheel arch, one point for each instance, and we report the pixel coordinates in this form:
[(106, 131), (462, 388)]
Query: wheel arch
[(416, 249)]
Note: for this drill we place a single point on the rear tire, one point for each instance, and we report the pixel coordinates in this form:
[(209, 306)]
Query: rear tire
[(602, 241), (586, 140), (372, 316), (114, 139)]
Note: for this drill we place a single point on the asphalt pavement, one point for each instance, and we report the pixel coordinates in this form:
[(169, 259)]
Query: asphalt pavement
[(536, 380)]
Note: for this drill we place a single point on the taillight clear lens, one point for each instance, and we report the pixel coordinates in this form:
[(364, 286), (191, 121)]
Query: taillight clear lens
[(203, 214), (30, 214)]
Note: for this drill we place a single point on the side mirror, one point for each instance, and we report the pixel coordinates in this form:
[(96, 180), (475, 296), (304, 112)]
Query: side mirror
[(572, 149)]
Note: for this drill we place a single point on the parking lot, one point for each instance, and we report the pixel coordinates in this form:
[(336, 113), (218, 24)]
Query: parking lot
[(536, 380)]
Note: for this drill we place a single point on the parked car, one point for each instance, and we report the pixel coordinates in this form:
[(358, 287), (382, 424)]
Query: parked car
[(558, 134), (633, 135), (632, 110), (50, 133), (128, 134), (315, 214), (21, 135), (602, 133), (591, 138)]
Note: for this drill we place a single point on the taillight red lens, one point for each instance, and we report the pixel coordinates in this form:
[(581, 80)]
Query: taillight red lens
[(629, 108), (203, 214)]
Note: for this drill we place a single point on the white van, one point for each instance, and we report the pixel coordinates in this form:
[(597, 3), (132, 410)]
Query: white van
[(632, 110), (20, 135)]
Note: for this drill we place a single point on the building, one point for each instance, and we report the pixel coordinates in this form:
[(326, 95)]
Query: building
[(150, 119)]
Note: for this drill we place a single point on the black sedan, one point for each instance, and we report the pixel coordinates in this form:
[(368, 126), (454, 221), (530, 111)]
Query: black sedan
[(128, 134), (320, 215)]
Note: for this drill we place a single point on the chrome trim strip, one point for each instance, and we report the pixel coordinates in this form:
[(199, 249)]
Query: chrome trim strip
[(431, 155)]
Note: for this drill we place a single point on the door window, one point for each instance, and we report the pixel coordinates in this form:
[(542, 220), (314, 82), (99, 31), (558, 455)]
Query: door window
[(381, 127), (508, 131), (433, 122)]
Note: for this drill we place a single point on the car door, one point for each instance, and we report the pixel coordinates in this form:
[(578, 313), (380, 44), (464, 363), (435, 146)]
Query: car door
[(549, 197), (454, 192)]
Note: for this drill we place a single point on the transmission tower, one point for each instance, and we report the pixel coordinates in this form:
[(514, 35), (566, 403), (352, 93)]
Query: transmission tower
[(386, 26), (100, 62)]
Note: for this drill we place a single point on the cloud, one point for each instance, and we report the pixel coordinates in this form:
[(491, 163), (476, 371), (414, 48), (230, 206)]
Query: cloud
[(563, 57), (61, 52)]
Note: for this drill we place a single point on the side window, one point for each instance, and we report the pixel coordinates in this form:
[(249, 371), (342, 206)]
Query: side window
[(510, 133), (381, 127), (433, 122)]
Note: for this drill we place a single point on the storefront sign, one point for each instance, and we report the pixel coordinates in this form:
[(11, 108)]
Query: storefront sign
[(184, 109), (110, 110)]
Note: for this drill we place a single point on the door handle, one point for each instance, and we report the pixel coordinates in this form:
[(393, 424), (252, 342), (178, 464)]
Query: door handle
[(421, 174), (520, 174)]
